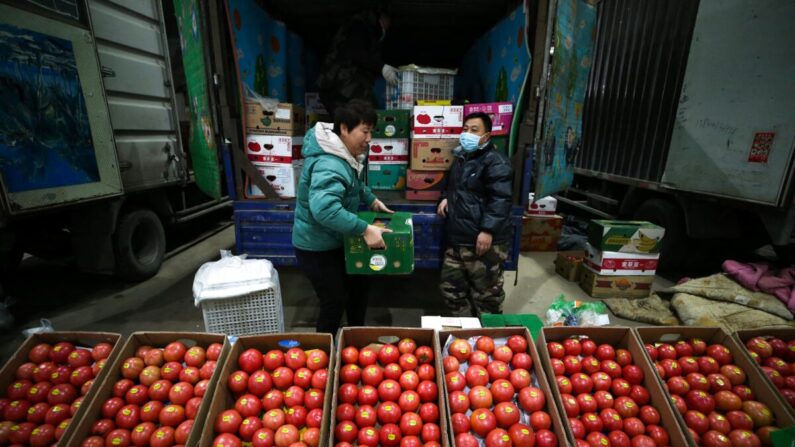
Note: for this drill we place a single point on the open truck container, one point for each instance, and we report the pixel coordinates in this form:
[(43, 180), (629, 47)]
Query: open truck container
[(253, 48)]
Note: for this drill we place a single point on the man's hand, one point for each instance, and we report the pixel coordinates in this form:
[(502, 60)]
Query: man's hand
[(379, 207), (391, 74), (483, 244), (373, 236), (442, 208)]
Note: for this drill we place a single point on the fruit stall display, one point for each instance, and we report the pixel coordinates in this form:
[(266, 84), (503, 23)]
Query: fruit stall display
[(273, 390), (773, 350), (497, 393), (607, 389), (720, 397), (49, 382), (155, 391), (387, 389)]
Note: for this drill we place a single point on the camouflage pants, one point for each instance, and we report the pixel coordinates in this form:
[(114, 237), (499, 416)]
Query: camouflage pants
[(472, 284)]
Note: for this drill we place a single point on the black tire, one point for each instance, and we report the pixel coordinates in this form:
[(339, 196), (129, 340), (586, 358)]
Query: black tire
[(140, 244), (675, 242)]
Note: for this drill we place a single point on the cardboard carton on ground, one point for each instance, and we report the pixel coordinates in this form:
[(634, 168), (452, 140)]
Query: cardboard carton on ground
[(437, 121), (221, 398), (541, 233), (80, 340), (286, 120), (568, 264), (159, 340), (603, 286), (392, 124), (396, 258), (386, 176), (266, 149), (283, 177), (501, 114), (388, 151), (760, 386), (618, 337), (425, 185), (617, 263), (434, 154), (625, 236)]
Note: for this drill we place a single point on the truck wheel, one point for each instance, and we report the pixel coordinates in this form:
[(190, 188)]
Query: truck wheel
[(140, 244), (675, 242)]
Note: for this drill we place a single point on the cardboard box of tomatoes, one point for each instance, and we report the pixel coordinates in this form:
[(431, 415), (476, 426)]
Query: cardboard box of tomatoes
[(606, 388), (156, 388), (720, 396), (773, 348), (387, 387), (50, 381), (273, 389), (518, 402)]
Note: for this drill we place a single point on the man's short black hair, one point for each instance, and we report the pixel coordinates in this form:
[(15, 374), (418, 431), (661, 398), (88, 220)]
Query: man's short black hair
[(483, 116), (354, 113)]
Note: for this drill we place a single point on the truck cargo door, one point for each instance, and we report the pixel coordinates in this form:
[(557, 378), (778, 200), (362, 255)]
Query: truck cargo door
[(56, 142), (571, 30), (735, 129)]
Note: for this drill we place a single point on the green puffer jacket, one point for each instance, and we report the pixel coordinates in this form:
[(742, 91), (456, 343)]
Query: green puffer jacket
[(329, 192)]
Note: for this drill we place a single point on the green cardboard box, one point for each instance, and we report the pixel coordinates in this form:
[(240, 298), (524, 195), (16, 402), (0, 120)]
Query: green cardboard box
[(392, 124), (397, 258), (386, 176), (625, 236)]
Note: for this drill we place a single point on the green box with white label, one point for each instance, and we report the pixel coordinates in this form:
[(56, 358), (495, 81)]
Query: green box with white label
[(392, 124), (397, 258)]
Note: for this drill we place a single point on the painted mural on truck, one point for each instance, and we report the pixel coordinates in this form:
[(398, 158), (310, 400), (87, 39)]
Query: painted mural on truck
[(45, 136), (575, 22)]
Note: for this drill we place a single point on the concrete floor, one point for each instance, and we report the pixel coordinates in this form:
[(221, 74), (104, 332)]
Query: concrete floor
[(76, 302)]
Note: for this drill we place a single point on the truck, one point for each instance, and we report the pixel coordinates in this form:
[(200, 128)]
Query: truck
[(97, 152), (689, 122)]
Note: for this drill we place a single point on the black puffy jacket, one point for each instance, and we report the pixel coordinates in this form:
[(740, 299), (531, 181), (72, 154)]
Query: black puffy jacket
[(478, 197)]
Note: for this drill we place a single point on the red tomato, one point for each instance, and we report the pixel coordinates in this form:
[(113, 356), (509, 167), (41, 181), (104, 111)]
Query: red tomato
[(349, 355), (409, 401), (118, 437), (367, 356), (503, 354), (295, 358), (424, 354), (430, 433), (502, 390), (150, 412), (314, 418), (286, 435), (139, 436), (618, 439), (532, 399), (128, 417), (408, 362), (466, 440), (320, 379), (480, 397), (634, 427), (428, 391), (250, 360), (172, 415), (171, 370), (365, 416), (372, 375), (195, 356), (596, 439), (182, 432), (460, 423), (137, 395), (429, 412), (409, 380), (450, 364), (207, 369), (482, 421), (368, 435), (540, 420), (498, 438), (283, 377), (258, 382), (229, 421), (190, 374), (226, 440), (313, 399), (248, 427), (111, 407), (273, 419), (410, 424), (556, 350), (388, 413), (311, 437), (507, 414), (460, 349), (273, 359), (294, 396), (388, 354), (389, 435), (611, 420), (545, 438), (180, 393)]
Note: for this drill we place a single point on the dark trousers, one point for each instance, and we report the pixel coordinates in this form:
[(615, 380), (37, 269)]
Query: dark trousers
[(336, 290)]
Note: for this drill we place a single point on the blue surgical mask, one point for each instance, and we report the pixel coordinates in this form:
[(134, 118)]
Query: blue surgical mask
[(469, 141)]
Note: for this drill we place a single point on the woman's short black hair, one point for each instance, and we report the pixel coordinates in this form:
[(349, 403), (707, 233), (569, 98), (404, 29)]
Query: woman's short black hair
[(354, 113), (483, 117)]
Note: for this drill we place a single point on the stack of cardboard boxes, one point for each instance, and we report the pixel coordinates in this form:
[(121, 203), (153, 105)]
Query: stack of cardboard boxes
[(435, 135), (273, 144), (389, 151), (541, 227), (621, 258)]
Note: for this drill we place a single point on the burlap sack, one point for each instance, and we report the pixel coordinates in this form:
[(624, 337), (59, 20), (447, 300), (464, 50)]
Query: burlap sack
[(697, 311), (652, 310)]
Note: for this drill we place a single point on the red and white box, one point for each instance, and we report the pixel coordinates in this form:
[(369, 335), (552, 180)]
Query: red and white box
[(546, 206), (389, 151), (283, 177), (613, 263), (437, 121), (501, 114), (269, 149)]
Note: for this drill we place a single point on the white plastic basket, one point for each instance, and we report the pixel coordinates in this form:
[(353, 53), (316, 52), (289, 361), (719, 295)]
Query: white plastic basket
[(258, 312), (419, 83)]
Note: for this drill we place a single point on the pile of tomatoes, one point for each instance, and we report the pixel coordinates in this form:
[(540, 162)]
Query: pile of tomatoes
[(712, 394), (492, 397), (47, 392), (604, 396), (279, 399), (157, 398), (388, 396), (777, 359)]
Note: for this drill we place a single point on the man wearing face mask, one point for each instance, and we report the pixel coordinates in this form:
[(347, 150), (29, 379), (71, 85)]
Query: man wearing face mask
[(328, 197), (354, 61), (477, 205)]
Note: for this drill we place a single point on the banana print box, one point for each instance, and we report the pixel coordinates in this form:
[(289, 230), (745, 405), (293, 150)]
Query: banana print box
[(398, 256), (625, 236)]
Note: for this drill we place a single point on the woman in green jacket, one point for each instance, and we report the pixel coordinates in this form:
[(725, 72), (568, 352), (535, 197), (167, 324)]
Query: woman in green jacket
[(328, 197)]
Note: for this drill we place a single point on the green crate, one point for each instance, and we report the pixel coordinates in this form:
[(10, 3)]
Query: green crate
[(397, 258), (386, 177), (625, 236), (392, 124)]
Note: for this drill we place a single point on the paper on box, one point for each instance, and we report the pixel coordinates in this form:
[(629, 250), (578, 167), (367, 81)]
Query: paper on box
[(440, 323)]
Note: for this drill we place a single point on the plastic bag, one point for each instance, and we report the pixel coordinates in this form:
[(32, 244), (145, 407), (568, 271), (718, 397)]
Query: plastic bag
[(576, 313), (46, 326), (267, 104), (233, 276)]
